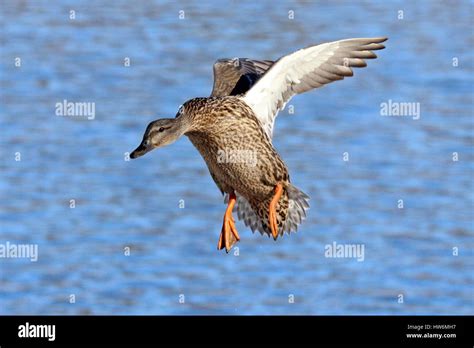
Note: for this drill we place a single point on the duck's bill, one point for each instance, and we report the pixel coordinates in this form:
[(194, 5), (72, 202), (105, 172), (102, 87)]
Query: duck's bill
[(139, 151)]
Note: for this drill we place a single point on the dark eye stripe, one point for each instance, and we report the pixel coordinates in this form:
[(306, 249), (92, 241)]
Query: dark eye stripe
[(159, 130)]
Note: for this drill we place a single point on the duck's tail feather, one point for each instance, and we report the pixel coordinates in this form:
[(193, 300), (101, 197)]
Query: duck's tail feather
[(246, 214), (298, 203)]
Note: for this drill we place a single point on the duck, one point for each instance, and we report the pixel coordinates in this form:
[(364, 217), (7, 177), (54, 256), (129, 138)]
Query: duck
[(232, 129)]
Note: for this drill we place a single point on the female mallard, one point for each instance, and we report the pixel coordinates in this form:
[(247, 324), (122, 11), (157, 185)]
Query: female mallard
[(232, 129)]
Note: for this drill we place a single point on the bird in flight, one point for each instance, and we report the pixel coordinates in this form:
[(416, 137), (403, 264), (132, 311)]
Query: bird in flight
[(233, 128)]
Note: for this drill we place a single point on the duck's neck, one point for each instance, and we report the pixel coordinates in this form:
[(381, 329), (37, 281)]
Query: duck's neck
[(182, 124)]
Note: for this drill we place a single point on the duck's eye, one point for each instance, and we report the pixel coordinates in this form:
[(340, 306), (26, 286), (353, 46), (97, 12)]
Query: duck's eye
[(161, 129)]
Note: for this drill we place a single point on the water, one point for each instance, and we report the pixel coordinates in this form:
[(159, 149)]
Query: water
[(136, 204)]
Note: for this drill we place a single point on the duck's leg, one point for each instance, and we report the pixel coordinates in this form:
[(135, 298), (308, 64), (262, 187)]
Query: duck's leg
[(229, 235), (272, 210)]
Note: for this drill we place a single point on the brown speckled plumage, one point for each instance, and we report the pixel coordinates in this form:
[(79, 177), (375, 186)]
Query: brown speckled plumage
[(227, 124)]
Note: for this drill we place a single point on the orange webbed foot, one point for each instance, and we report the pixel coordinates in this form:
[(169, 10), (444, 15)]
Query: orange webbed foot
[(229, 235), (272, 217)]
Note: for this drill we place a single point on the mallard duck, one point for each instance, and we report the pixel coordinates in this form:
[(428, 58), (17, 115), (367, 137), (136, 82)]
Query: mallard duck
[(232, 129)]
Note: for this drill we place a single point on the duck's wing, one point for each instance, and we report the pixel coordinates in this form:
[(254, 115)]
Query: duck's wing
[(303, 70), (237, 76)]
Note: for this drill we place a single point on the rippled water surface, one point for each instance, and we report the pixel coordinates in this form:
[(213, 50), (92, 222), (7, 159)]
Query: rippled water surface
[(136, 204)]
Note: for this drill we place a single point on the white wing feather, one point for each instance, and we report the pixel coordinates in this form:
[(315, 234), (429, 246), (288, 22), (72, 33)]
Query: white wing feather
[(305, 69)]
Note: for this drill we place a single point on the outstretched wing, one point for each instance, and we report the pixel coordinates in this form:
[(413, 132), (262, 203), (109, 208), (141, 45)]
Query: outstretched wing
[(308, 68), (237, 76)]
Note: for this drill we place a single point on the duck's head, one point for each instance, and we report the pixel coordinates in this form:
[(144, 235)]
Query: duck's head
[(159, 133)]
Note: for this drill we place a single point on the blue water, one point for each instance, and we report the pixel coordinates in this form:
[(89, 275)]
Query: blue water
[(136, 204)]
